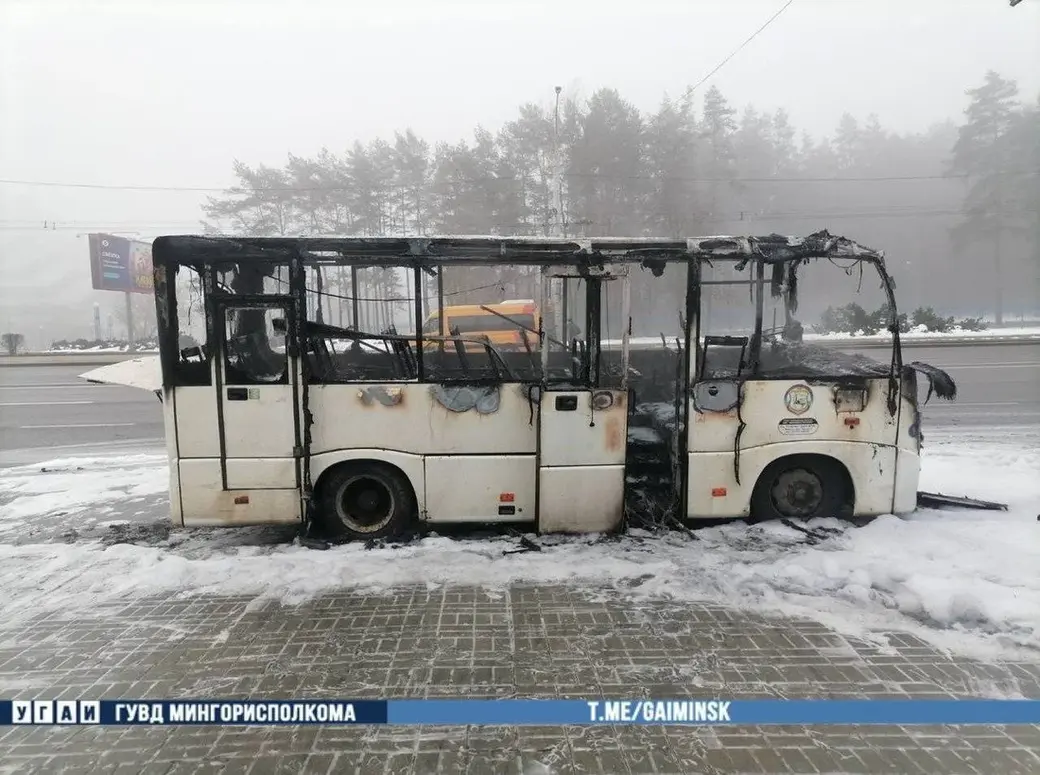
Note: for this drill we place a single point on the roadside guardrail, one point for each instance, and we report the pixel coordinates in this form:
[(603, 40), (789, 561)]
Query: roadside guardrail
[(854, 343)]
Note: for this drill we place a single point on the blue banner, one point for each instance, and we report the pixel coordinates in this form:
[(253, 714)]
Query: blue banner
[(119, 264), (518, 712)]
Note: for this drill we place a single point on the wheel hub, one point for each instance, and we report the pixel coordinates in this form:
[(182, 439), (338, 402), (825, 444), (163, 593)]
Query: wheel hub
[(797, 493), (366, 504)]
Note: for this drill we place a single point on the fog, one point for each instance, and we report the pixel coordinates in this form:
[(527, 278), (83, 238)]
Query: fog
[(133, 113)]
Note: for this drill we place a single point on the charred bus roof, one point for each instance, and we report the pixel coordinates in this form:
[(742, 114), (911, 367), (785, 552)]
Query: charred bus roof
[(444, 251)]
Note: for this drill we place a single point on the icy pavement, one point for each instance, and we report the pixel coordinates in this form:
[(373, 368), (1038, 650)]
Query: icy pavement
[(78, 532), (104, 601)]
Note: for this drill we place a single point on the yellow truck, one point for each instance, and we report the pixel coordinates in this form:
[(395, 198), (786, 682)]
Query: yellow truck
[(503, 324)]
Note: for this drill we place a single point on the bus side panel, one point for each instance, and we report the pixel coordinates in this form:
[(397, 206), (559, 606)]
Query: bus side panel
[(262, 426), (481, 488), (408, 417), (581, 499), (581, 474), (205, 504), (169, 408), (908, 458), (768, 420), (872, 468), (441, 439), (908, 473), (197, 434), (261, 473)]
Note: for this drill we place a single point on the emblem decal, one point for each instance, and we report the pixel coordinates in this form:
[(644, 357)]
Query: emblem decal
[(798, 399)]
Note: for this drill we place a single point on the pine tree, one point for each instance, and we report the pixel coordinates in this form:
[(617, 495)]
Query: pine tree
[(670, 148), (848, 143), (718, 162), (262, 203), (411, 179), (781, 136), (527, 146), (364, 195), (605, 165), (754, 155), (983, 153)]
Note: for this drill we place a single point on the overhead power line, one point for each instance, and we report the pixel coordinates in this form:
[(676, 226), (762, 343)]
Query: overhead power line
[(746, 216), (739, 48), (490, 178)]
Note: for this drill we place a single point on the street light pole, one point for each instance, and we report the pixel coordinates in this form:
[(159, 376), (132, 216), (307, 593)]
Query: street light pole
[(557, 171)]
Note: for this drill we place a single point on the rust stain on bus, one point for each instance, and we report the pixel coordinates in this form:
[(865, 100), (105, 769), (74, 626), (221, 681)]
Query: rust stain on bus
[(615, 435)]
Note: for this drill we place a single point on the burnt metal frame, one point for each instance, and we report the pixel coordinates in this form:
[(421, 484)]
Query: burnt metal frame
[(203, 253), (427, 253), (758, 281)]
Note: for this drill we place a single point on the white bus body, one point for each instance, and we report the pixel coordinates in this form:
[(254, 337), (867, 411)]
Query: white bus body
[(319, 431)]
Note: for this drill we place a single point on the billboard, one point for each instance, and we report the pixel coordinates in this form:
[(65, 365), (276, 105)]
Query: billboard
[(120, 264)]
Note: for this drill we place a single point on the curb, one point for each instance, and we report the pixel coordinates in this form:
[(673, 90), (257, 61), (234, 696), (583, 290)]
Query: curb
[(101, 359), (72, 359)]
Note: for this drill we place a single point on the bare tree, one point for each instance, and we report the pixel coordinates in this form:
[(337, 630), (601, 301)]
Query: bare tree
[(12, 342)]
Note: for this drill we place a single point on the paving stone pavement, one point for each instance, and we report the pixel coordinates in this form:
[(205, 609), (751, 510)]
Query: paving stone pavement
[(529, 641)]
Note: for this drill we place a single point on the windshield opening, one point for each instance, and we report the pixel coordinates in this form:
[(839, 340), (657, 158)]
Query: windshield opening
[(819, 318)]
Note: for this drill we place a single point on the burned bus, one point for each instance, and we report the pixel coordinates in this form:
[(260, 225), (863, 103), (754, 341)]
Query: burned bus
[(318, 396)]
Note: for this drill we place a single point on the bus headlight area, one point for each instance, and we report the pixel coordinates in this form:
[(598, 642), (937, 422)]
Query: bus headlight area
[(372, 384)]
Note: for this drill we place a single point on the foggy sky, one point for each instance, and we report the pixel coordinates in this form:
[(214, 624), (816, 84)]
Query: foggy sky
[(157, 92)]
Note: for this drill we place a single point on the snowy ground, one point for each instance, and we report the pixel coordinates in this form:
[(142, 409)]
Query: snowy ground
[(919, 333), (78, 531)]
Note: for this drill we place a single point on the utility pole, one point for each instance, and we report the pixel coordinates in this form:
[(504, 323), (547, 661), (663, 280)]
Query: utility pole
[(557, 194), (557, 291), (129, 322)]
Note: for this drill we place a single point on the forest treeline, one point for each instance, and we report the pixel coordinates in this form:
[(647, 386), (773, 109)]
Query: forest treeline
[(956, 208)]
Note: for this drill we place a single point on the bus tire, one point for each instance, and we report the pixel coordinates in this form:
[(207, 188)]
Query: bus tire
[(802, 487), (366, 500)]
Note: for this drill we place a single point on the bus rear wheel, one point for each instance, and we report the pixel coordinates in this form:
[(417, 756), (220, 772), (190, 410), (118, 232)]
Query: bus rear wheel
[(802, 487), (367, 500)]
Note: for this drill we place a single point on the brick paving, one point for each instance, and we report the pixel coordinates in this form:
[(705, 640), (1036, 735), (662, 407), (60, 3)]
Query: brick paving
[(528, 641)]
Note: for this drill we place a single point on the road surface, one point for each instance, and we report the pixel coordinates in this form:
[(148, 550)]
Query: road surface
[(48, 406)]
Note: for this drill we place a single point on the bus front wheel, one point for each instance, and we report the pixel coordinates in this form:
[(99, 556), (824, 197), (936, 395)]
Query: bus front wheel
[(802, 487), (367, 500)]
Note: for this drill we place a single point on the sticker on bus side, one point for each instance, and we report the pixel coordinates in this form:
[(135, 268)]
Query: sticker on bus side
[(798, 426)]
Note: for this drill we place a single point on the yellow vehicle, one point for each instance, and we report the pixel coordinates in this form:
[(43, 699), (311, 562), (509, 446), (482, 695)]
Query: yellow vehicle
[(504, 324)]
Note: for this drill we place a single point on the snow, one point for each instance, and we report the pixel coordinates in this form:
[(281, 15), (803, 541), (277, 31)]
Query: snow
[(919, 333), (73, 485), (640, 342), (922, 333), (965, 581), (96, 349)]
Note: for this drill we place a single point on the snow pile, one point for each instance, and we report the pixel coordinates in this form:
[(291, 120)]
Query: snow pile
[(72, 487), (652, 342), (99, 349), (922, 332), (966, 581)]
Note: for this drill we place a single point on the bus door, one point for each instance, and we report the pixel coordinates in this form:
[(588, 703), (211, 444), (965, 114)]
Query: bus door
[(258, 399), (583, 405)]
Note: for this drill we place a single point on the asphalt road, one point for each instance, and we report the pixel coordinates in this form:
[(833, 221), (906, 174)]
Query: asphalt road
[(997, 385), (49, 407)]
